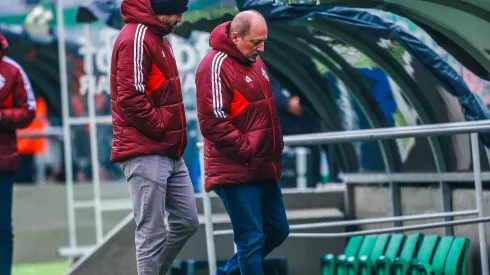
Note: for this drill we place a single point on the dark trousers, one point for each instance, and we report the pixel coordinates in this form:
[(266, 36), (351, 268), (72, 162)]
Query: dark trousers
[(259, 222), (6, 234)]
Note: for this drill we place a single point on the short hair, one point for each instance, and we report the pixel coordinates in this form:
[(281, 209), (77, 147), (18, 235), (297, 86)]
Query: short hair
[(242, 22)]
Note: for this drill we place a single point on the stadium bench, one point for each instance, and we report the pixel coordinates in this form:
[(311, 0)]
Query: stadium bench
[(414, 254), (409, 250), (424, 255), (383, 264), (439, 259), (335, 264), (449, 258), (457, 254), (352, 264), (366, 262)]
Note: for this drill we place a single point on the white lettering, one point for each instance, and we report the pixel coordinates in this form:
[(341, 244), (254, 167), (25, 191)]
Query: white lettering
[(103, 61), (87, 84), (87, 51), (188, 55), (107, 37), (185, 57), (97, 60), (202, 44), (97, 54), (103, 85)]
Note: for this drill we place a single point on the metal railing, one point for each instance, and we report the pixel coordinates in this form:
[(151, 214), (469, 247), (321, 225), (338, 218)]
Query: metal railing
[(370, 135)]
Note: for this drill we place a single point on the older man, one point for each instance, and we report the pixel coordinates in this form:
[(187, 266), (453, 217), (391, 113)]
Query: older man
[(242, 139)]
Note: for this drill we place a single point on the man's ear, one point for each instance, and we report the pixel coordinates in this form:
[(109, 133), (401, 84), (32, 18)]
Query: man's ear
[(234, 37)]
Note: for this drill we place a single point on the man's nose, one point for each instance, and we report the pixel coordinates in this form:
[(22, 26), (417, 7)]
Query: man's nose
[(261, 47), (179, 18)]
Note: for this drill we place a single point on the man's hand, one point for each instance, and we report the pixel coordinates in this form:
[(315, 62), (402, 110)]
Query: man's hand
[(294, 106)]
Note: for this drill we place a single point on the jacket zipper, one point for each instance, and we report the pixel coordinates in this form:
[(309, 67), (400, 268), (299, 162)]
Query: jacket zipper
[(176, 89), (272, 120)]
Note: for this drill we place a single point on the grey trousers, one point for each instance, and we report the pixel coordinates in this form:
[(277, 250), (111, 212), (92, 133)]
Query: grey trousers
[(160, 190)]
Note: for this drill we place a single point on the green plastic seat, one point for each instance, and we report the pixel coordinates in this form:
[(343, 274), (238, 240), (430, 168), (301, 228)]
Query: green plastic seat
[(350, 251), (424, 254), (384, 263), (398, 254), (352, 264), (332, 264), (366, 263), (409, 250), (457, 259), (436, 267), (328, 263)]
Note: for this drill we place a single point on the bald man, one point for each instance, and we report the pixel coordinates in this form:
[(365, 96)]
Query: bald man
[(242, 139)]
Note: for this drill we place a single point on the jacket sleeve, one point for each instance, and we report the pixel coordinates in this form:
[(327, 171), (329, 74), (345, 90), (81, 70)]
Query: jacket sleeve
[(133, 67), (21, 114), (213, 103)]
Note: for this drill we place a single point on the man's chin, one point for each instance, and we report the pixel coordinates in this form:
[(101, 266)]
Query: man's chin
[(252, 59)]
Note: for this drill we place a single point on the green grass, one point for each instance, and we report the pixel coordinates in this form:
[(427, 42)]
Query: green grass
[(52, 268)]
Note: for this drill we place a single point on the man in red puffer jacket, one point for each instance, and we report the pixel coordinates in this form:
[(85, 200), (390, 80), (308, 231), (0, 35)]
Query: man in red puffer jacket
[(150, 131), (242, 139), (17, 107)]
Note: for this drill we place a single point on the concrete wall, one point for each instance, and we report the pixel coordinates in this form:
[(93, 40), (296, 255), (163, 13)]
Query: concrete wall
[(41, 227), (116, 256), (40, 219)]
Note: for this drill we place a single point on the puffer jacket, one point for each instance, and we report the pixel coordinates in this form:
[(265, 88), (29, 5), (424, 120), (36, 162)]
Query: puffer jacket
[(148, 114), (237, 116), (17, 107)]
